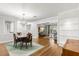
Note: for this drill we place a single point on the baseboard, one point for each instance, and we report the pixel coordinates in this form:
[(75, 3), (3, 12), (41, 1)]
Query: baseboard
[(5, 41)]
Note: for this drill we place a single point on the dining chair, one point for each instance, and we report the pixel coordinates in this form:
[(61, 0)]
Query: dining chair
[(19, 33), (29, 38), (16, 40)]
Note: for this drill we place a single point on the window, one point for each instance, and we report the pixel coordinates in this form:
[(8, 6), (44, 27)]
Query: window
[(28, 28), (9, 26)]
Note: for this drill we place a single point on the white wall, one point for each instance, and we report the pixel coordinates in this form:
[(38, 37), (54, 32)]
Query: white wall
[(4, 36), (68, 26), (34, 30)]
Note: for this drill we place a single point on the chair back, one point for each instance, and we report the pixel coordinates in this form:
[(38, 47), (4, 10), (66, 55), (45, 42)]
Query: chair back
[(29, 37), (19, 33)]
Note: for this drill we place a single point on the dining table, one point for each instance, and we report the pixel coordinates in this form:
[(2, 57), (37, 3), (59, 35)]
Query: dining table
[(22, 39)]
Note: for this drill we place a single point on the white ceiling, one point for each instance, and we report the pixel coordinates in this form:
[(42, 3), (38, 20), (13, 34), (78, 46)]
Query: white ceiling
[(35, 11)]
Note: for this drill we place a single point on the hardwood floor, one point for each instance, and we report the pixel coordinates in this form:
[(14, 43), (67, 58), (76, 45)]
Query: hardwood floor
[(3, 50), (50, 49), (71, 48)]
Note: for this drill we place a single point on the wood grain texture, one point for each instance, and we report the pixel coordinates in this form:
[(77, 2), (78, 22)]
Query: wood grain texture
[(71, 48), (50, 49), (3, 50)]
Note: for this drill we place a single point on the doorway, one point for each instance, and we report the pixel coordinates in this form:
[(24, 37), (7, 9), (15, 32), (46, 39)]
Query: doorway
[(48, 30)]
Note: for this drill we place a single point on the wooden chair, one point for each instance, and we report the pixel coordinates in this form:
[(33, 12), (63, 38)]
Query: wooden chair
[(29, 38), (19, 33), (16, 40)]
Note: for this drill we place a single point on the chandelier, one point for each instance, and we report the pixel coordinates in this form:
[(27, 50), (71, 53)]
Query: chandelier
[(23, 15)]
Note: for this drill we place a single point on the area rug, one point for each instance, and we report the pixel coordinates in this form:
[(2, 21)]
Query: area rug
[(24, 51)]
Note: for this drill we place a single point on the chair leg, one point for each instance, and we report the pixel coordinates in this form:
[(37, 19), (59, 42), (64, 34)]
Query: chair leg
[(21, 43), (31, 43), (26, 45), (15, 44)]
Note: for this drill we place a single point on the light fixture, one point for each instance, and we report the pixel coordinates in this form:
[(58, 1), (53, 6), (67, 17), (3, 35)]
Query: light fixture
[(23, 15)]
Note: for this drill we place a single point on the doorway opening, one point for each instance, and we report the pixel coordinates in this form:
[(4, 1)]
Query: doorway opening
[(48, 30)]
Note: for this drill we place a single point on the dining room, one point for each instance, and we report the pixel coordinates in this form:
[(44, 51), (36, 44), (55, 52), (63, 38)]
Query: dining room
[(18, 38), (19, 33)]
